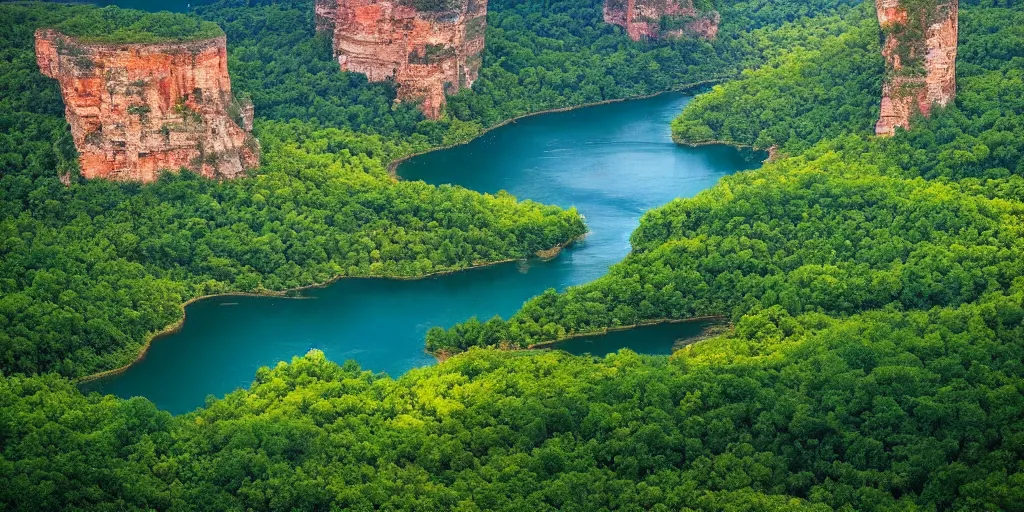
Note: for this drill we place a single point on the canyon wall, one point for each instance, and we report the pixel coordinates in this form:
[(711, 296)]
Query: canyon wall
[(920, 57), (136, 109), (661, 19), (430, 48)]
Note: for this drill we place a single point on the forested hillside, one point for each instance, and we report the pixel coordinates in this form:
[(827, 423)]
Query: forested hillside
[(929, 218), (824, 88), (878, 250), (90, 271), (874, 286), (885, 410)]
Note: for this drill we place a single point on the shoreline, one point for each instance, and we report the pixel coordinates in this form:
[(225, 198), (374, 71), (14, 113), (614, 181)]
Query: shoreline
[(607, 330), (773, 151), (392, 167), (286, 294), (394, 164)]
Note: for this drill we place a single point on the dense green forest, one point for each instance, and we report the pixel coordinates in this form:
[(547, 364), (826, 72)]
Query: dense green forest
[(874, 285), (557, 53), (85, 278), (87, 272), (824, 89), (885, 410), (113, 25), (929, 218), (539, 56)]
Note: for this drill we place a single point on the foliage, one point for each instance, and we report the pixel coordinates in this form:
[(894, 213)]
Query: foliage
[(929, 218), (881, 411), (559, 53), (115, 25), (821, 91), (87, 272), (874, 286), (538, 56)]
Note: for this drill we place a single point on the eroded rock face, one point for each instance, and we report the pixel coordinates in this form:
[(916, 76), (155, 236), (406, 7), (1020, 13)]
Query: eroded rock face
[(429, 53), (920, 55), (325, 11), (661, 19), (135, 110)]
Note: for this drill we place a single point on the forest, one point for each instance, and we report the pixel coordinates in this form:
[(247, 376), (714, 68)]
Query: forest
[(89, 272), (928, 218), (86, 281), (884, 410), (113, 25), (874, 286), (822, 88)]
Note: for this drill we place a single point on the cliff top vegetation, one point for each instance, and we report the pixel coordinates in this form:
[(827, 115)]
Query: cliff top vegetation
[(115, 25)]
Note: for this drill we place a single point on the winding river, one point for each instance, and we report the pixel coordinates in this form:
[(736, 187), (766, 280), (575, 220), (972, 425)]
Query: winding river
[(613, 162)]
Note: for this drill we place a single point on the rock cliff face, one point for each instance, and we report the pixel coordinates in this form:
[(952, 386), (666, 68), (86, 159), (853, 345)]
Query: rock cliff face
[(920, 56), (656, 19), (137, 109), (429, 47), (325, 11)]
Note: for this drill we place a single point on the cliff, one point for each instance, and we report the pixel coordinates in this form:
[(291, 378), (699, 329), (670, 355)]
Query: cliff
[(430, 48), (919, 47), (661, 19), (324, 13), (135, 109)]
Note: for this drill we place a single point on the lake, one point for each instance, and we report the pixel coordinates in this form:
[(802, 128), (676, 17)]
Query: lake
[(613, 162)]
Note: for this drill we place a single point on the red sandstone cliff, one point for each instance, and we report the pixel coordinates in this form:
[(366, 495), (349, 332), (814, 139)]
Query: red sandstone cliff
[(920, 56), (655, 19), (428, 53), (135, 109)]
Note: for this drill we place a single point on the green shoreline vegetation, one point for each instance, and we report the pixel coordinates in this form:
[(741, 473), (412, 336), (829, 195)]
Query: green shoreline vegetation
[(322, 204), (606, 330), (93, 270), (781, 234), (874, 285), (694, 87), (176, 326)]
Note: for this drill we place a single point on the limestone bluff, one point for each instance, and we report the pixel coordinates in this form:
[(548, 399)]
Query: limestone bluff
[(661, 19), (430, 48), (136, 109), (920, 49)]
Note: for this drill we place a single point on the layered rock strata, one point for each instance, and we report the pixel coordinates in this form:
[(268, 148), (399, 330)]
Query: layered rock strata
[(137, 109), (430, 48), (920, 48), (661, 19)]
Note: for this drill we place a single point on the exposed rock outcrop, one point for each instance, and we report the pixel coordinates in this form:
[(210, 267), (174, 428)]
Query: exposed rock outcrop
[(661, 19), (920, 55), (324, 13), (136, 109), (430, 48)]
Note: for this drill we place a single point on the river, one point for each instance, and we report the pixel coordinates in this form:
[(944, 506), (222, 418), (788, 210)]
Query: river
[(613, 162)]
